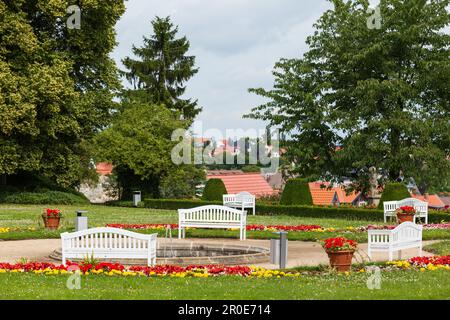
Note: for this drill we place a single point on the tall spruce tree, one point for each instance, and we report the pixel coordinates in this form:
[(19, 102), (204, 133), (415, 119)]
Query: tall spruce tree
[(162, 69), (363, 97)]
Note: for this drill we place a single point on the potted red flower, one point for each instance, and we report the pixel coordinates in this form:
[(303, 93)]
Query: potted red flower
[(51, 218), (405, 213), (340, 252)]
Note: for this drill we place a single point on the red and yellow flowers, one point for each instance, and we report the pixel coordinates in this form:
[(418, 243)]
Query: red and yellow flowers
[(339, 244), (113, 269), (423, 263), (251, 227)]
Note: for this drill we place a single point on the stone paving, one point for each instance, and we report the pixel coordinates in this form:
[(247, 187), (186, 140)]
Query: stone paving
[(300, 253)]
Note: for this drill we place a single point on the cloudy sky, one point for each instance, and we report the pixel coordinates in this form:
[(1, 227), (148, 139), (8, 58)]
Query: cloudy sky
[(236, 44)]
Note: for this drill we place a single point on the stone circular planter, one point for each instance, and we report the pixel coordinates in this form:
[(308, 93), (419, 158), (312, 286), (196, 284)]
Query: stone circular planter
[(51, 223), (341, 260), (404, 217)]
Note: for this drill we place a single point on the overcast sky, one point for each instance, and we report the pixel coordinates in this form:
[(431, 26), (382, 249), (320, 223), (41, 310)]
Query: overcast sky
[(236, 44)]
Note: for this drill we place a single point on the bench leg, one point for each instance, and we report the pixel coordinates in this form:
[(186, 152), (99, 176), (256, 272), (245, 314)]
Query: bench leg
[(180, 230), (399, 254)]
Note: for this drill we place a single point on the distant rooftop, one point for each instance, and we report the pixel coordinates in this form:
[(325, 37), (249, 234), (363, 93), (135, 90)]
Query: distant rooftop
[(236, 182)]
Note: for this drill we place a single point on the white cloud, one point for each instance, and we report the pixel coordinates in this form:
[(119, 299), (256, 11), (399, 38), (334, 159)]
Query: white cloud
[(236, 44)]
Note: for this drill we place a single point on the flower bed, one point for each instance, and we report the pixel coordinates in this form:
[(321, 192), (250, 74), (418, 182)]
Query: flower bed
[(290, 228), (423, 263), (112, 269)]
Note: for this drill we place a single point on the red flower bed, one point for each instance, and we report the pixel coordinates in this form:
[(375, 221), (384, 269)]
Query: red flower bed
[(436, 260), (142, 226), (211, 269), (252, 227), (302, 227)]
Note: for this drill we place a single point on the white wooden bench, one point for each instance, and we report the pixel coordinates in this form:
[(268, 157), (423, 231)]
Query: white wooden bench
[(420, 206), (405, 236), (107, 243), (242, 200), (219, 217)]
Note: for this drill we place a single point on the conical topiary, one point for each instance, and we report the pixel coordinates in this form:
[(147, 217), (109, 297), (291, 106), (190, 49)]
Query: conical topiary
[(392, 192), (296, 192), (214, 190)]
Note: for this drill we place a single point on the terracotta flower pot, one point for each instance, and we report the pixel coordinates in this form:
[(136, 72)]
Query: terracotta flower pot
[(403, 217), (51, 223), (341, 260)]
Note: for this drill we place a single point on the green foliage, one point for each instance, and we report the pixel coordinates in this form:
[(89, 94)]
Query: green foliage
[(392, 192), (56, 85), (384, 90), (163, 68), (45, 197), (180, 182), (296, 192), (139, 145), (251, 168), (214, 190)]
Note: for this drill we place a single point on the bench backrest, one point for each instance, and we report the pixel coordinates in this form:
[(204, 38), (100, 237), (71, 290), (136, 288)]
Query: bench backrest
[(406, 231), (420, 206), (108, 238), (212, 214), (242, 197)]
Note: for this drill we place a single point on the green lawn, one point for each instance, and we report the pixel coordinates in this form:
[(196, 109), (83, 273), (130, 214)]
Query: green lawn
[(28, 216), (394, 285), (440, 248)]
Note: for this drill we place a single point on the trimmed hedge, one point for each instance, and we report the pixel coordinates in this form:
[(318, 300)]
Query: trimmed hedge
[(393, 191), (175, 204), (47, 197), (214, 190), (296, 192), (295, 211)]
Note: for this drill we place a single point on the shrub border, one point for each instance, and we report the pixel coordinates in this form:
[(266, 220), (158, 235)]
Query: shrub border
[(295, 210)]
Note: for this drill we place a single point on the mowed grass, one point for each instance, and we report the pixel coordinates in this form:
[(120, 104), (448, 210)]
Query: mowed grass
[(441, 248), (28, 216), (394, 285)]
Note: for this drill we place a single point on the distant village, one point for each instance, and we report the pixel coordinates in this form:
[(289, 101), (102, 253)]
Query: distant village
[(261, 184)]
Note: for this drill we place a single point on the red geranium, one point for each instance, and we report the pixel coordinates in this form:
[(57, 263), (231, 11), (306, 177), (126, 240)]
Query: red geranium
[(52, 213), (406, 210), (339, 244)]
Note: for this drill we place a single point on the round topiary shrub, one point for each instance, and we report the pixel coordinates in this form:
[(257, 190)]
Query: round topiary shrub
[(214, 190), (295, 192), (392, 192)]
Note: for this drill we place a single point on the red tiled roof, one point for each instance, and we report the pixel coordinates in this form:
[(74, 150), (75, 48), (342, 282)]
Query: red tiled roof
[(250, 182), (433, 200), (104, 168), (321, 196)]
